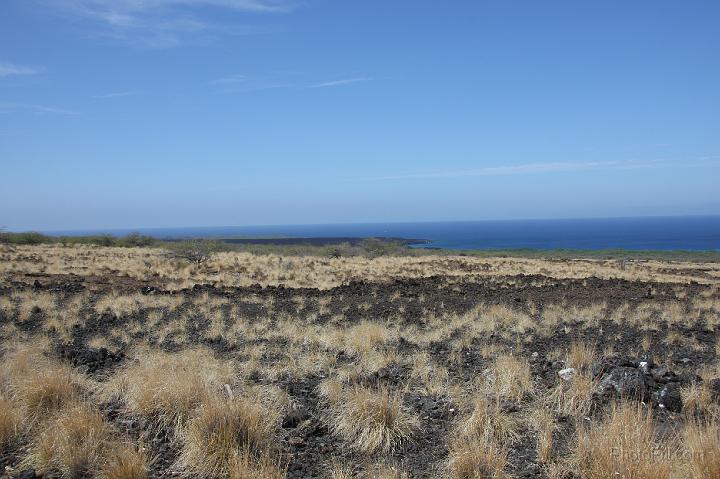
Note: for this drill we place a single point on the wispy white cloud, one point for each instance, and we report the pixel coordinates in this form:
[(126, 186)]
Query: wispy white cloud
[(123, 10), (282, 81), (34, 109), (530, 168), (10, 69), (345, 81), (115, 94), (164, 23)]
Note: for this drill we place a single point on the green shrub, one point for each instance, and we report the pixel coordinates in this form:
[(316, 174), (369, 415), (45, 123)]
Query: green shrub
[(195, 250), (24, 238)]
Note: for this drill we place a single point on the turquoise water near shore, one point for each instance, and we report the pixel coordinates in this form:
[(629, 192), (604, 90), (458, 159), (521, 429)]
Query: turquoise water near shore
[(692, 233)]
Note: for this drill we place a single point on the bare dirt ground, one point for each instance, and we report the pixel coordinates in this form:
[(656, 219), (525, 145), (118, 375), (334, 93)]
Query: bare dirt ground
[(353, 367)]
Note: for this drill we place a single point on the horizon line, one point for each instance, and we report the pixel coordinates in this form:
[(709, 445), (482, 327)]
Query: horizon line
[(138, 229)]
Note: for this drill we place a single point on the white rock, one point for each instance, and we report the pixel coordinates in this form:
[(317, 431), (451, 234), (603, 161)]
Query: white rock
[(567, 374)]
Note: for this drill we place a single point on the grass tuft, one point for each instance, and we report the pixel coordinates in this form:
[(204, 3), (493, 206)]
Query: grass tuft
[(72, 445), (509, 378), (10, 425), (373, 419), (623, 445), (702, 441), (489, 418), (167, 388), (223, 431), (477, 457), (247, 466), (542, 421), (126, 462)]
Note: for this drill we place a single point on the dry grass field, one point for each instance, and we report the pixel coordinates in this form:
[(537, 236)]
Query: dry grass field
[(125, 363)]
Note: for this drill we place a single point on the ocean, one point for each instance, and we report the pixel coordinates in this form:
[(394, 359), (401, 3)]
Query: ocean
[(693, 233)]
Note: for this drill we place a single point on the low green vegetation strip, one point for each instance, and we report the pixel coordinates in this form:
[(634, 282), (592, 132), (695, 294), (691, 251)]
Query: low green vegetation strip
[(200, 249), (33, 238)]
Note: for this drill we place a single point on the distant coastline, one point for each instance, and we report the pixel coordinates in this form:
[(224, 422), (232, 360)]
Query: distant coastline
[(315, 240), (689, 233)]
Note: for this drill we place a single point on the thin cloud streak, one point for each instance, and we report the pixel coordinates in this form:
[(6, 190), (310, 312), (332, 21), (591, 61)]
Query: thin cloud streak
[(10, 69), (249, 83), (116, 94), (125, 12), (346, 81), (35, 109), (163, 23), (531, 168)]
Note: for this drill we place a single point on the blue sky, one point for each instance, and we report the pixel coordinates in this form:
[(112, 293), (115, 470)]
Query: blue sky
[(143, 113)]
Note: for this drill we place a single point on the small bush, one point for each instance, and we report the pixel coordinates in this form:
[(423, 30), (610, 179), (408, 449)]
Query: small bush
[(195, 251)]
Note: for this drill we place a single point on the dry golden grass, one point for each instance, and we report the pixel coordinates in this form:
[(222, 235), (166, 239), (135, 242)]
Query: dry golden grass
[(220, 411), (509, 378), (47, 391), (38, 385), (35, 302), (698, 400), (477, 457), (331, 390), (480, 441), (19, 359), (572, 398), (320, 272), (581, 356), (366, 336), (624, 444), (10, 424), (126, 462), (7, 306), (122, 305), (434, 378), (166, 388), (373, 419), (247, 466), (543, 422), (338, 470), (702, 443), (385, 472), (223, 430), (73, 444), (489, 420)]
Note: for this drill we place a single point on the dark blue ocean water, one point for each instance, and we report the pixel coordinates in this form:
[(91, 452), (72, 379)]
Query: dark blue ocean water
[(657, 233)]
